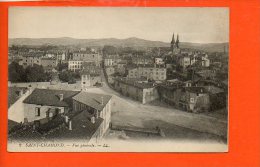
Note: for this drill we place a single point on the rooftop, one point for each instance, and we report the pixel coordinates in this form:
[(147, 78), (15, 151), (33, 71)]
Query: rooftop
[(14, 93), (85, 52), (114, 56), (195, 89), (50, 97), (214, 89), (139, 83), (82, 128), (93, 100)]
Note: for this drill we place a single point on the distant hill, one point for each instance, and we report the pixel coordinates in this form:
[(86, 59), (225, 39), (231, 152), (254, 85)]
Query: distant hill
[(128, 42)]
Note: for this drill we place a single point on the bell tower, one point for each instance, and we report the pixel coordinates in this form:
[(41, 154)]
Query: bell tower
[(175, 45), (172, 42)]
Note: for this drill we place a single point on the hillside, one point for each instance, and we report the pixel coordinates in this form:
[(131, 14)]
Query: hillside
[(129, 42)]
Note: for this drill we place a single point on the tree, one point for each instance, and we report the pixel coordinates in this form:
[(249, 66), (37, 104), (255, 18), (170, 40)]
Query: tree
[(62, 66), (66, 76), (109, 50), (16, 72), (35, 73)]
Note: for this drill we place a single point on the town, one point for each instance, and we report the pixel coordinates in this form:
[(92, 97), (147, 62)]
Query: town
[(94, 93)]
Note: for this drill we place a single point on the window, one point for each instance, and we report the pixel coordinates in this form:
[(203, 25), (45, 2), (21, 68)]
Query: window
[(37, 112)]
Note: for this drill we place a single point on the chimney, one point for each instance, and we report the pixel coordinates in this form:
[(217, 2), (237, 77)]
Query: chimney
[(102, 100), (93, 119), (61, 97), (96, 113), (70, 125), (66, 119)]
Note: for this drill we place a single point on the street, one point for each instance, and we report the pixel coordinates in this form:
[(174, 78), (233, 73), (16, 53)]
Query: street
[(175, 123)]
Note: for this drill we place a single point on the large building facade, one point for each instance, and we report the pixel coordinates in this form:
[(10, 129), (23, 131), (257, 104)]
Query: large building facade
[(153, 72)]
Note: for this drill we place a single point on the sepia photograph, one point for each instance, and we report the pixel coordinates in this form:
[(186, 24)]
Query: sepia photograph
[(118, 79)]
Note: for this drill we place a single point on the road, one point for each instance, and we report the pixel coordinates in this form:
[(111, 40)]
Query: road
[(128, 112), (175, 123)]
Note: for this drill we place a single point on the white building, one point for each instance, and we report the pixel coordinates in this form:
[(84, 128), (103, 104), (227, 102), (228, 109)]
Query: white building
[(159, 61), (74, 65)]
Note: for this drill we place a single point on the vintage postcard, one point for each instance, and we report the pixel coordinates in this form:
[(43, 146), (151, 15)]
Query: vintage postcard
[(118, 79)]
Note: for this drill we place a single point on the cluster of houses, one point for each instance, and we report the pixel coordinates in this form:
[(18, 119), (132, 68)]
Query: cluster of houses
[(181, 78), (57, 114), (49, 60), (79, 57), (86, 62)]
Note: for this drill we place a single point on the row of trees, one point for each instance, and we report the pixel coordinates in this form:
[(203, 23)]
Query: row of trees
[(69, 76), (36, 73), (16, 73)]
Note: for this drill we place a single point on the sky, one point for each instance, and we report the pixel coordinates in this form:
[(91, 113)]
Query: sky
[(198, 25)]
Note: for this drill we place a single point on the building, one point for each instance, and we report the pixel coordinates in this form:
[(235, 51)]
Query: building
[(90, 75), (175, 49), (205, 61), (30, 60), (121, 68), (16, 95), (85, 80), (139, 90), (50, 55), (142, 60), (49, 63), (152, 72), (61, 57), (110, 70), (75, 65), (111, 60), (80, 57), (200, 60), (185, 61), (91, 68), (206, 74), (87, 56), (192, 99), (44, 104), (89, 79), (98, 107), (66, 115), (159, 61)]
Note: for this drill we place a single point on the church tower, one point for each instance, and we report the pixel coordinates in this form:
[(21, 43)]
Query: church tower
[(175, 45), (172, 42), (177, 41)]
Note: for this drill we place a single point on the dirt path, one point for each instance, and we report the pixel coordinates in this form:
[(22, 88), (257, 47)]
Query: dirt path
[(127, 112)]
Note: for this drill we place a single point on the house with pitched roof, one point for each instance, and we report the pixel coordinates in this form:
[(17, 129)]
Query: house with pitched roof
[(60, 114), (138, 89), (44, 104), (97, 106), (16, 95)]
